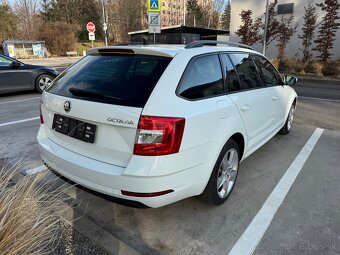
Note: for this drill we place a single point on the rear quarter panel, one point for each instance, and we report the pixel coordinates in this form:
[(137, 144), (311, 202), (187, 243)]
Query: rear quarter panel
[(207, 127)]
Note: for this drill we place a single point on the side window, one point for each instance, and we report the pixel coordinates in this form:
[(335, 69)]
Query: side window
[(246, 69), (5, 61), (268, 73), (202, 78), (231, 80)]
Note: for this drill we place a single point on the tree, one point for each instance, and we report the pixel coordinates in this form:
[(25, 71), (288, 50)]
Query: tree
[(59, 36), (215, 9), (285, 31), (249, 30), (308, 30), (125, 16), (8, 22), (27, 19), (47, 11), (195, 16), (75, 13), (328, 29), (90, 10), (226, 16)]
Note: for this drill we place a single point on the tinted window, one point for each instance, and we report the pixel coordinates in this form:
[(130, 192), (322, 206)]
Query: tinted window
[(268, 73), (232, 81), (246, 70), (5, 61), (118, 79), (202, 78)]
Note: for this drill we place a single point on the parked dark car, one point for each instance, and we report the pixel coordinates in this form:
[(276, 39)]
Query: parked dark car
[(17, 76)]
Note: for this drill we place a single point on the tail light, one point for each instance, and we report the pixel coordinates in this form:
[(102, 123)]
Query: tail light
[(41, 117), (158, 136)]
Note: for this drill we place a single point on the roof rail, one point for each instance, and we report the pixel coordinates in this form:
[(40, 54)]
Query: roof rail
[(209, 42)]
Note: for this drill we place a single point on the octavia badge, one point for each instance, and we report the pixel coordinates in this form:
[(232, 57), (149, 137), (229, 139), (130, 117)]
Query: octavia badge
[(67, 106)]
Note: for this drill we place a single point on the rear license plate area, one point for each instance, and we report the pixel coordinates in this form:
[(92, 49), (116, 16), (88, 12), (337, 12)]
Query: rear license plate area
[(74, 128)]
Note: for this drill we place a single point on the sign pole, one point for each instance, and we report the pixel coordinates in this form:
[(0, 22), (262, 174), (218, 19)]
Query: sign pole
[(104, 23), (154, 18), (91, 28)]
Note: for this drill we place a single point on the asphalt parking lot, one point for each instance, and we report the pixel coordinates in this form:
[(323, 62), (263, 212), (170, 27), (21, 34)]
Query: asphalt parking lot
[(286, 200)]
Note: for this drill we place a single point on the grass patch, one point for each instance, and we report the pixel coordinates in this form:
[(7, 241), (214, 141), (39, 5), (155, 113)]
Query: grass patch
[(29, 217)]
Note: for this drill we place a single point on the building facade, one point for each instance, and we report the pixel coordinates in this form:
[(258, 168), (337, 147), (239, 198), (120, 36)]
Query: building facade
[(284, 8), (172, 12)]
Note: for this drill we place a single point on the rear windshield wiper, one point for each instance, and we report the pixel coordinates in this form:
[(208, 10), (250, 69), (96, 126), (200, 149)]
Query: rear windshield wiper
[(84, 92)]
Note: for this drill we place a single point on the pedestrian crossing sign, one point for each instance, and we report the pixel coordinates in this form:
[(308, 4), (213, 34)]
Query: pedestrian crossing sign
[(154, 5)]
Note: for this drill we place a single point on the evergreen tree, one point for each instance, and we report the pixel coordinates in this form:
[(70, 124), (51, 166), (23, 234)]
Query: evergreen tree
[(226, 16), (76, 13), (194, 14), (328, 29), (308, 30), (48, 10)]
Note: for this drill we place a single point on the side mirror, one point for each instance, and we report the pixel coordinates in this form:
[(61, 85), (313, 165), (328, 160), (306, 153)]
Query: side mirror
[(16, 64), (290, 80)]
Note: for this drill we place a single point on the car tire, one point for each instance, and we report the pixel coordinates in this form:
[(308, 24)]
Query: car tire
[(42, 82), (289, 121), (223, 177)]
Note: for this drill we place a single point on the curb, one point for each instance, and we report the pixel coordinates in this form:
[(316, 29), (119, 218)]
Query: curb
[(320, 81)]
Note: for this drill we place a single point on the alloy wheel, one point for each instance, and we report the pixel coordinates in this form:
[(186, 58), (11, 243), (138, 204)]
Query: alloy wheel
[(227, 173), (44, 82)]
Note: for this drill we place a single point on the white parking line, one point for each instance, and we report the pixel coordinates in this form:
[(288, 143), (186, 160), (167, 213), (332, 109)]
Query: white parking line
[(320, 99), (19, 100), (18, 121), (252, 236), (36, 170)]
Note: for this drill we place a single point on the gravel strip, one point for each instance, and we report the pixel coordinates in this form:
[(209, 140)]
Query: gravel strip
[(74, 243)]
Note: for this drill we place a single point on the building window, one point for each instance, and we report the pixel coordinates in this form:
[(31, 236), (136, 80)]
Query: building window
[(285, 8)]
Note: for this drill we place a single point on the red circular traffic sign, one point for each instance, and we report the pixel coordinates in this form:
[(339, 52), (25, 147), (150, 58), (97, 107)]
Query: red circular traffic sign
[(90, 27)]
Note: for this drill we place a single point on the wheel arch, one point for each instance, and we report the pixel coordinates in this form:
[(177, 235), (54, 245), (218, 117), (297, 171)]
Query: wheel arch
[(239, 139)]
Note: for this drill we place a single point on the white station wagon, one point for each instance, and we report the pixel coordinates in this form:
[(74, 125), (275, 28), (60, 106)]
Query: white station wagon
[(152, 125)]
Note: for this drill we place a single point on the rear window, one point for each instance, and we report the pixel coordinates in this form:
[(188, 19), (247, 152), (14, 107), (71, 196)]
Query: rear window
[(126, 80)]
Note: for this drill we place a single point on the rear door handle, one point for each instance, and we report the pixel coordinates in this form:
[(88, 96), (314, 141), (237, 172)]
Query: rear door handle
[(245, 107), (274, 98)]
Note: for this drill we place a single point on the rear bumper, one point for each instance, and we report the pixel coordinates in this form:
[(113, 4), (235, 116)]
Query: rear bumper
[(111, 180)]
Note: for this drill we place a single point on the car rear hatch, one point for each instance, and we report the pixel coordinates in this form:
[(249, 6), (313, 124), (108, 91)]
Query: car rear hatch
[(93, 108)]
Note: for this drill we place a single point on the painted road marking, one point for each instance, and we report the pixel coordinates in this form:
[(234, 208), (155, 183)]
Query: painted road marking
[(19, 100), (36, 170), (320, 99), (252, 236), (18, 121)]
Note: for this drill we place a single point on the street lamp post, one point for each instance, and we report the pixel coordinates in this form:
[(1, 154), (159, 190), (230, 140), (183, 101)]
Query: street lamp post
[(104, 23), (184, 10), (265, 29)]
